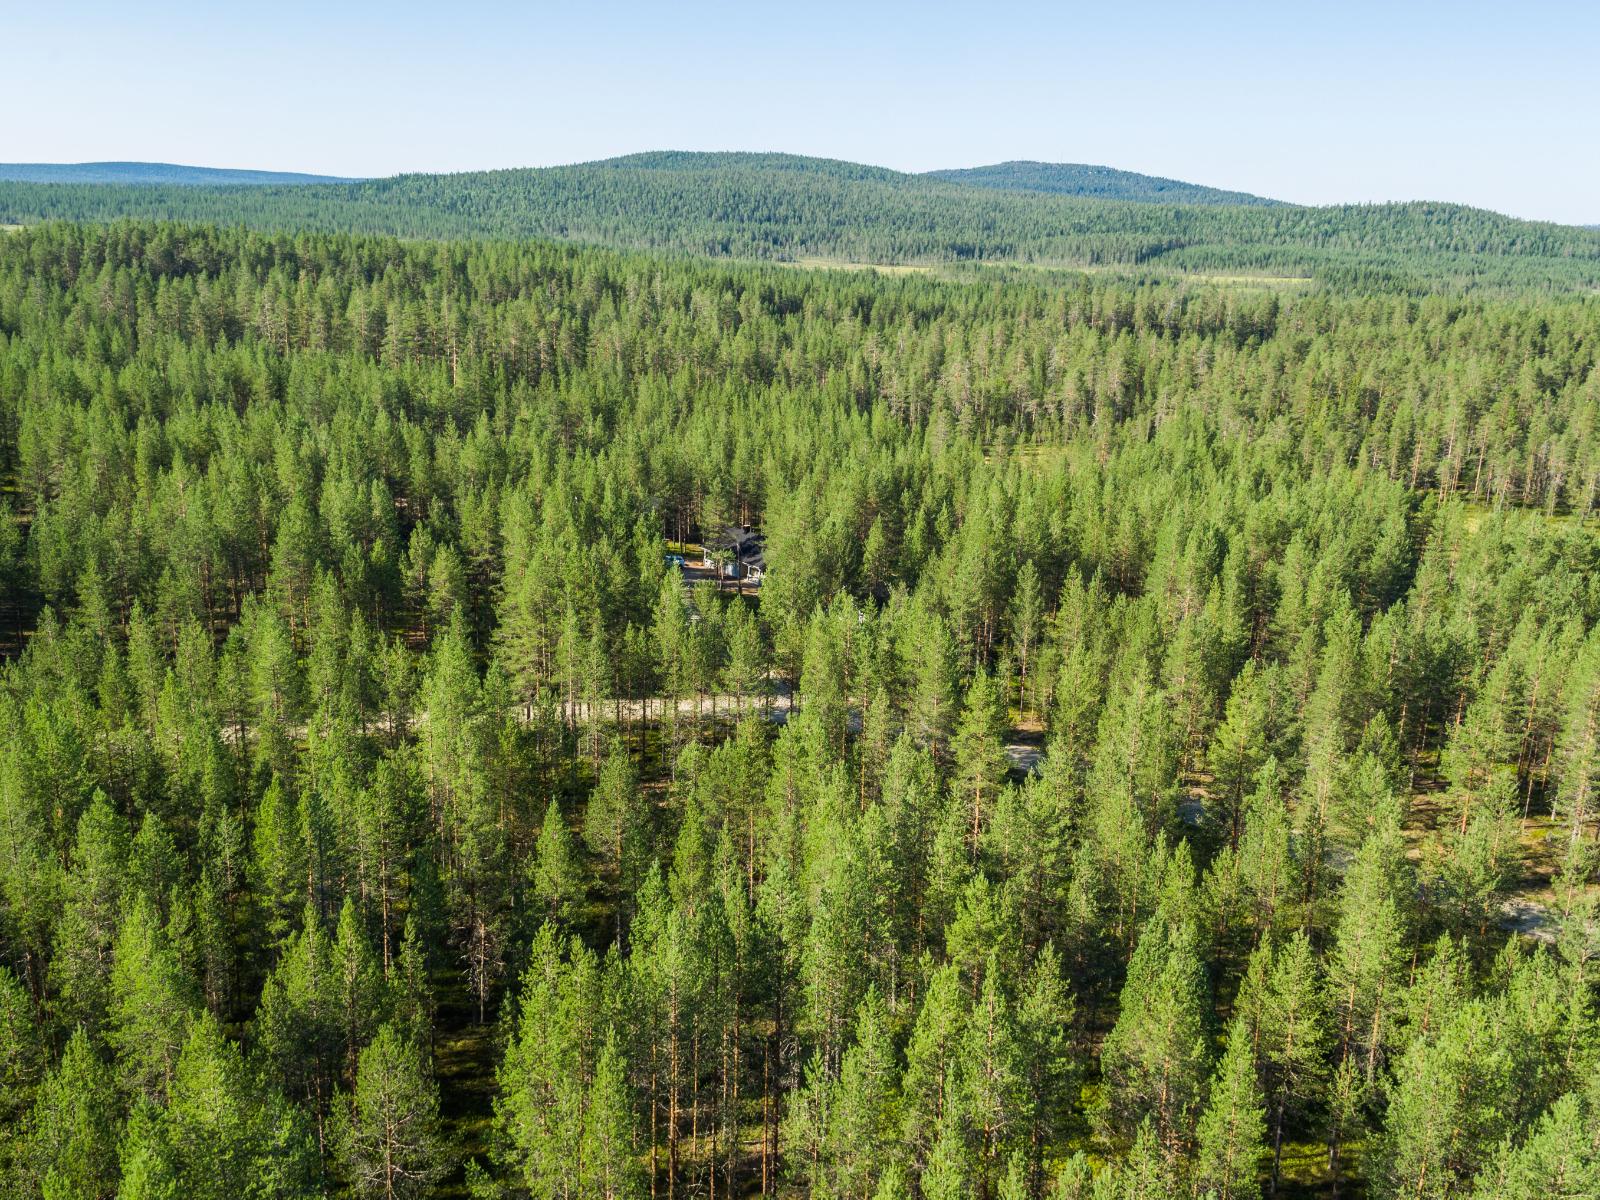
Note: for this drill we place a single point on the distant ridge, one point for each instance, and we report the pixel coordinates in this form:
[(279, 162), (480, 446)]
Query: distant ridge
[(169, 174), (740, 160), (1083, 179), (792, 208)]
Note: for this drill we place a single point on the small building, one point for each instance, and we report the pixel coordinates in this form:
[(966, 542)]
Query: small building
[(741, 553)]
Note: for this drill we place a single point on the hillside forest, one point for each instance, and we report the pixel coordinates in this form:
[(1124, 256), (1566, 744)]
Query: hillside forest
[(1161, 758), (791, 208)]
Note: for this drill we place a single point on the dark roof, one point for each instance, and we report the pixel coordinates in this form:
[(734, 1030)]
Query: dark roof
[(741, 540)]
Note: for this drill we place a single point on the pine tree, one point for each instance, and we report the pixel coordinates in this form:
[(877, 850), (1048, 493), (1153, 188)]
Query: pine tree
[(80, 970), (1014, 1184), (1238, 751), (1027, 624), (842, 921), (1156, 1059), (1232, 1130), (1370, 937), (1147, 1173), (1558, 1157), (933, 707), (1045, 1015), (22, 1057), (410, 997), (610, 1164), (359, 984), (1292, 1040), (386, 819), (1136, 756), (616, 823), (152, 1003), (1450, 1106), (150, 1170), (70, 1146), (948, 1174), (1267, 860), (298, 1026), (227, 1134), (1579, 777), (279, 866), (389, 1144), (996, 1079), (548, 1063), (808, 1129), (1075, 1180), (932, 1076), (863, 1135), (556, 879), (980, 753)]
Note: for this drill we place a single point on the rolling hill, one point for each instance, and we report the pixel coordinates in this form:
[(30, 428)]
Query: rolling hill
[(1081, 179), (172, 174), (787, 207)]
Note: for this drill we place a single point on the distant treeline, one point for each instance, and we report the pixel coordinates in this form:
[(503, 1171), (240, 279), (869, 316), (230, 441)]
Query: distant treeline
[(1082, 179), (782, 207)]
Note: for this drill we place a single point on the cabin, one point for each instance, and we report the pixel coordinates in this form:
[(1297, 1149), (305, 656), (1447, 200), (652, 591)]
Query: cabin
[(741, 552)]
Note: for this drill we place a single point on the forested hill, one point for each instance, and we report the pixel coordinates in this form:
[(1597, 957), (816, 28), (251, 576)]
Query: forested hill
[(1083, 179), (787, 207), (148, 172)]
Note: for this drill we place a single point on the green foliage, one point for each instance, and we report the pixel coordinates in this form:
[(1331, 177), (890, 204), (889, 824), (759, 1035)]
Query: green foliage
[(1157, 1058), (355, 710), (389, 1143), (1078, 179), (784, 206), (557, 882), (70, 1135), (1232, 1132), (223, 1133)]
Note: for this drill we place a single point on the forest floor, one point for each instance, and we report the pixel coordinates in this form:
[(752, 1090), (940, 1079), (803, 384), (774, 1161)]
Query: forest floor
[(465, 1054), (1530, 904), (19, 605), (1304, 1175)]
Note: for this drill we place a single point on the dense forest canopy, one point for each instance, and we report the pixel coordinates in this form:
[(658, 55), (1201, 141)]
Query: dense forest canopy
[(1082, 179), (148, 172), (775, 206), (1160, 758)]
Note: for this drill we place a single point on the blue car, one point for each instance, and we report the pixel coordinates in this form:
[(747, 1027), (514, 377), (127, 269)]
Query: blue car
[(674, 560)]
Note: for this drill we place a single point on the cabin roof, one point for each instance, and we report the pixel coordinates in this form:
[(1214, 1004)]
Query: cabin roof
[(740, 539)]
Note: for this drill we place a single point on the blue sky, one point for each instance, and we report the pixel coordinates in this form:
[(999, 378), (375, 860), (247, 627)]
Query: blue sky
[(1319, 102)]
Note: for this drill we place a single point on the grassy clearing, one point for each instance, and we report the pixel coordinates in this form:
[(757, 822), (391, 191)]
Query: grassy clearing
[(1027, 454), (1477, 512), (970, 269), (805, 263), (1243, 279)]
